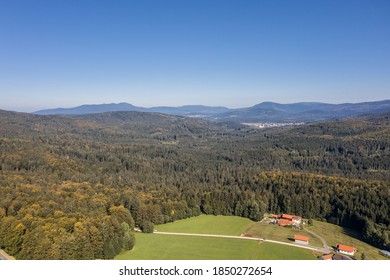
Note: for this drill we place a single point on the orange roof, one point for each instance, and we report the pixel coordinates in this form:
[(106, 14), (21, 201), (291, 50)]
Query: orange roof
[(284, 222), (301, 237), (345, 248), (327, 257), (274, 216), (287, 216)]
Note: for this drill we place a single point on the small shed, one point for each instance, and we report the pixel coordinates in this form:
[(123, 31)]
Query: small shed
[(300, 239)]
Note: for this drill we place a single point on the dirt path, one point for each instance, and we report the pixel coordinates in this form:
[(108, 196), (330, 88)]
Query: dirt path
[(5, 256), (326, 247), (313, 248)]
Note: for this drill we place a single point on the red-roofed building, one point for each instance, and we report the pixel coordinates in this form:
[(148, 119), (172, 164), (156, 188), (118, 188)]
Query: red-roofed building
[(344, 249), (297, 220), (294, 220), (287, 217), (300, 239), (284, 222), (335, 257), (327, 257)]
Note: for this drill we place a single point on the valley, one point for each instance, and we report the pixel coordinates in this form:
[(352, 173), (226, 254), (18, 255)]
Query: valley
[(74, 187)]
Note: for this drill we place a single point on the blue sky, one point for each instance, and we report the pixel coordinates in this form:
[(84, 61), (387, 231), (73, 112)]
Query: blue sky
[(64, 53)]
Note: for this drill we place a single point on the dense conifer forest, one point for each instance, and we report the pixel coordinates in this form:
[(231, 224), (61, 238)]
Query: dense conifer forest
[(74, 187)]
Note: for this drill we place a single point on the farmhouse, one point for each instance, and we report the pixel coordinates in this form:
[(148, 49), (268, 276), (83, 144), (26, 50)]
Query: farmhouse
[(344, 249), (284, 222), (300, 239), (287, 219), (297, 220), (335, 257)]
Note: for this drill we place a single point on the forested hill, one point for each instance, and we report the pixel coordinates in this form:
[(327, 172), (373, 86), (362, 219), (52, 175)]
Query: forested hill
[(110, 126), (154, 125), (263, 112), (74, 187), (303, 112), (356, 147)]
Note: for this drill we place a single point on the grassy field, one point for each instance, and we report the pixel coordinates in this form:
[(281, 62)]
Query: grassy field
[(272, 251), (275, 232), (334, 234), (208, 224), (167, 247)]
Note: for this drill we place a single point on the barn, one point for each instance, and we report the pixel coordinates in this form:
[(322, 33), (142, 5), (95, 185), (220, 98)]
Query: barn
[(300, 239)]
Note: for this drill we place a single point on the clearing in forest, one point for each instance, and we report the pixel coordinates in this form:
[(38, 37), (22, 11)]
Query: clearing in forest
[(208, 224)]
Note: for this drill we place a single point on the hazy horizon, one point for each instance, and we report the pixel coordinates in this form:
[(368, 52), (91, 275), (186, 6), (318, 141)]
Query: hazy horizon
[(156, 106), (173, 53)]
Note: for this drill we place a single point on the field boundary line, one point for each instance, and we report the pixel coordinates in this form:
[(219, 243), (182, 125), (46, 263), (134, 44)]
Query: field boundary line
[(313, 248)]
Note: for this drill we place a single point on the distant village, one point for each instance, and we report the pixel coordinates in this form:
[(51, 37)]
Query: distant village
[(268, 125)]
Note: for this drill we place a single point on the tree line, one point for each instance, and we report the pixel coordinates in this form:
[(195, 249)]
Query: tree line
[(78, 194)]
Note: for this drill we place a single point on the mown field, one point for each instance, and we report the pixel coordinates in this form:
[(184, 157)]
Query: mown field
[(334, 235), (208, 224), (167, 247), (284, 234), (176, 247)]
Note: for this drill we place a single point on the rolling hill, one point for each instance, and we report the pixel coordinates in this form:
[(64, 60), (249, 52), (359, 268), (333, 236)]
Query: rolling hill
[(190, 110), (303, 112), (72, 187), (263, 112)]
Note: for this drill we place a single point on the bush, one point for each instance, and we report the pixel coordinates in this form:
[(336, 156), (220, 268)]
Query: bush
[(147, 227)]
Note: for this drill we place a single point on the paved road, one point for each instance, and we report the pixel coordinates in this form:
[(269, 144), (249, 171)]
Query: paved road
[(326, 247), (313, 248)]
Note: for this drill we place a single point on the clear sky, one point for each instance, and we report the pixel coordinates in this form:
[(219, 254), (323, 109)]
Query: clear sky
[(64, 53)]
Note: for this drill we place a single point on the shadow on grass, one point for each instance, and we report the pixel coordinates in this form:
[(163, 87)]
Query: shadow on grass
[(353, 233)]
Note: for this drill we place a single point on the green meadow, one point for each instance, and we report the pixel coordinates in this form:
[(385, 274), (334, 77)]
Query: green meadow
[(208, 224), (284, 234), (169, 247), (334, 235), (175, 247)]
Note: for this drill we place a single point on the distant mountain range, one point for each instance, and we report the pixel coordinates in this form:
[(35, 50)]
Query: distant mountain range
[(303, 112), (264, 112), (190, 110)]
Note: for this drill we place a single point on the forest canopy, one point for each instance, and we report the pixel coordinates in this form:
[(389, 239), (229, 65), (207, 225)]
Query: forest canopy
[(75, 187)]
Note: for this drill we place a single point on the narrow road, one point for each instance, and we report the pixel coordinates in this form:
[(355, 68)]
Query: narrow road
[(313, 248), (5, 256), (326, 247)]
